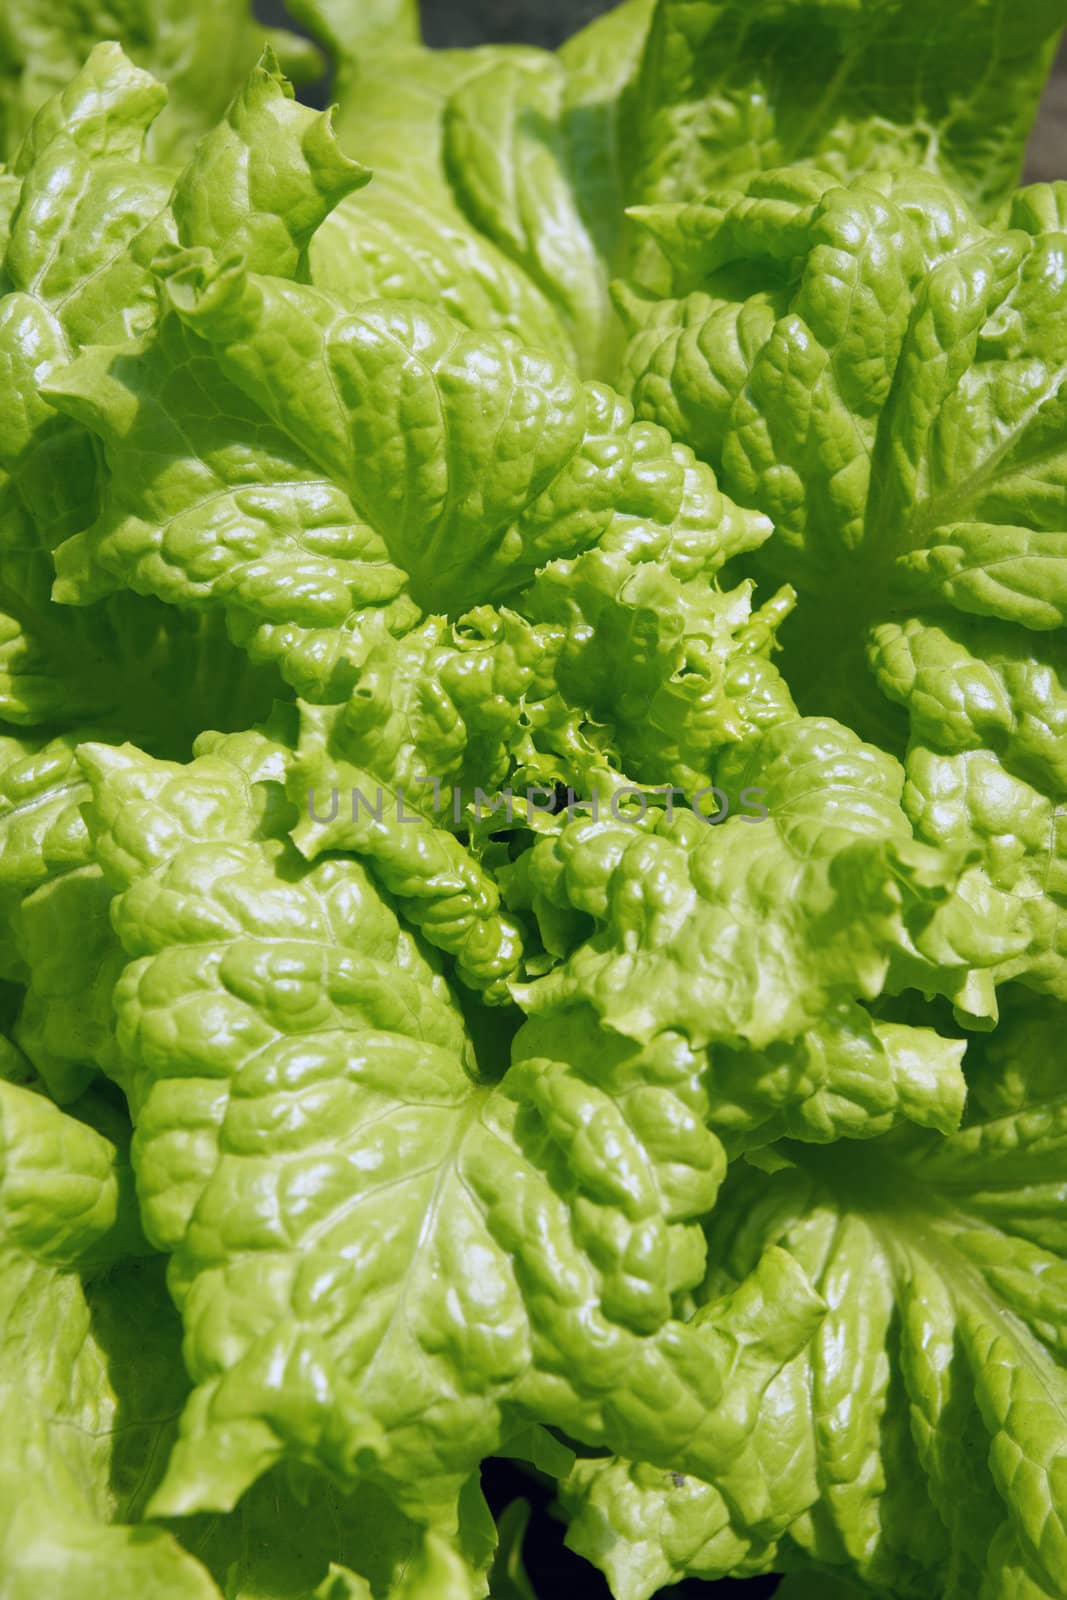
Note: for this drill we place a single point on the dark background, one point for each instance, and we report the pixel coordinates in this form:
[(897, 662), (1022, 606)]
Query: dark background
[(553, 1570), (543, 22)]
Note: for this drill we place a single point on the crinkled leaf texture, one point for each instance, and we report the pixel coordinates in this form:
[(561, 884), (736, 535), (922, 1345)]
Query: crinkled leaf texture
[(728, 90), (91, 212), (952, 1328), (707, 1159), (92, 1386), (509, 203), (888, 389), (325, 1276), (918, 1443), (55, 933), (201, 52), (66, 1468)]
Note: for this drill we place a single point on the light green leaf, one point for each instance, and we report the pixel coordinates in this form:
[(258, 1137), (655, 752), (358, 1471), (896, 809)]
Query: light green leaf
[(602, 63), (387, 385), (747, 932), (210, 508), (940, 1365), (506, 155), (76, 269), (201, 51), (263, 180), (57, 938), (647, 1528), (1017, 574), (350, 27), (930, 1253), (88, 192), (723, 95), (41, 830), (93, 1384), (848, 1077), (61, 1209), (897, 410), (384, 776), (675, 669), (295, 1340), (405, 237), (987, 767), (1040, 207), (471, 151)]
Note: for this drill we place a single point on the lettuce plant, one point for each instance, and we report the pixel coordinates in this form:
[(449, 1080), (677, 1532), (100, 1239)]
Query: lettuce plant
[(533, 779)]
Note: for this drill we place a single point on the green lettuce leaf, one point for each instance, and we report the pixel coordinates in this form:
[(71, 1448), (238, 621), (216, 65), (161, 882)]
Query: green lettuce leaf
[(407, 237), (56, 936), (746, 932), (505, 207), (200, 51), (929, 1408), (687, 1129), (890, 396), (647, 1528), (92, 1388), (917, 1445), (64, 1211), (727, 92), (393, 1364), (90, 214)]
